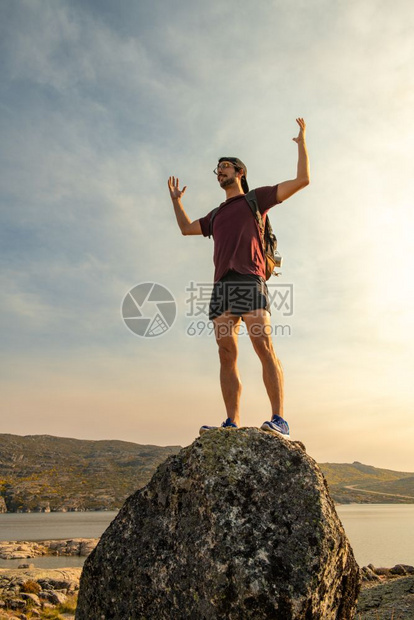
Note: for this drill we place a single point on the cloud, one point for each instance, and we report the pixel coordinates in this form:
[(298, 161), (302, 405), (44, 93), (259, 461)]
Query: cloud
[(102, 104)]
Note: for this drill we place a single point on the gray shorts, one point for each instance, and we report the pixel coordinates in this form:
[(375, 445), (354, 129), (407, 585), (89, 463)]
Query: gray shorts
[(238, 293)]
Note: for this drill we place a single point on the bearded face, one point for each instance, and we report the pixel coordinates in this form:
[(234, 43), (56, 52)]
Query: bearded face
[(227, 177)]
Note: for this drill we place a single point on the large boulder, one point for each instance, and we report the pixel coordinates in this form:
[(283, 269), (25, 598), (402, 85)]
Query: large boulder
[(238, 525)]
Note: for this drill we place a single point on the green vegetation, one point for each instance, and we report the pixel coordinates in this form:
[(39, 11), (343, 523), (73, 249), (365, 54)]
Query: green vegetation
[(55, 613), (358, 483), (68, 607), (42, 473)]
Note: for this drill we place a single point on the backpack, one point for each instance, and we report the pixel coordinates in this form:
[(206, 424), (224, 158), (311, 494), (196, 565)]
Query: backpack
[(267, 236)]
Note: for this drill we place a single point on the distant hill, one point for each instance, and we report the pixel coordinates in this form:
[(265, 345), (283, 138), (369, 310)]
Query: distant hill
[(43, 473), (349, 483)]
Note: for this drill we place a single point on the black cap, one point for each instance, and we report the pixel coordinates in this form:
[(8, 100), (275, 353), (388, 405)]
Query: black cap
[(238, 164)]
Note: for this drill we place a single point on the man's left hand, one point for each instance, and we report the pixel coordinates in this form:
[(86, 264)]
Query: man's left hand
[(302, 131)]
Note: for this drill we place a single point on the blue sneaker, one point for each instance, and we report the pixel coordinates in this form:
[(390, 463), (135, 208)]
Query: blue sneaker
[(227, 424), (277, 425)]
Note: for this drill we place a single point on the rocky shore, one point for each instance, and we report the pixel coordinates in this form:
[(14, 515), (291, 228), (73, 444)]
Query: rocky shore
[(35, 593), (386, 593), (21, 550), (29, 593)]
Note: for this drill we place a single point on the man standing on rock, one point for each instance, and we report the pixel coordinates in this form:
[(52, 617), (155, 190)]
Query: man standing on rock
[(240, 290)]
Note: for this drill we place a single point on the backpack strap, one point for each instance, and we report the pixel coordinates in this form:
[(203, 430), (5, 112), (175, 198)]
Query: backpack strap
[(252, 202), (210, 226), (263, 227)]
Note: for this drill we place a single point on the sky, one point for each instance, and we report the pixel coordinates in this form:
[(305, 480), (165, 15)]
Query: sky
[(100, 103)]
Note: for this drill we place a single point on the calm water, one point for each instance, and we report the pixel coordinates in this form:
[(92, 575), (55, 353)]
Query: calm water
[(49, 526), (381, 534)]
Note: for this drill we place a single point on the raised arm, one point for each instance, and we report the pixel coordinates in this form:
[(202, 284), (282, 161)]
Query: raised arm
[(187, 227), (288, 188)]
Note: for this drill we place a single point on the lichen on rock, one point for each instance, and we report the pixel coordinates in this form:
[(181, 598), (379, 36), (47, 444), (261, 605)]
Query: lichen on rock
[(238, 525)]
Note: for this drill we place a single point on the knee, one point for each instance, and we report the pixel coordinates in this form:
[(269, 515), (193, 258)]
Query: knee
[(227, 354), (264, 348)]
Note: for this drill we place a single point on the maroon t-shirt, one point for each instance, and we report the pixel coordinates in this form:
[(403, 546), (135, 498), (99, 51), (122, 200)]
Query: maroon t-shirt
[(237, 243)]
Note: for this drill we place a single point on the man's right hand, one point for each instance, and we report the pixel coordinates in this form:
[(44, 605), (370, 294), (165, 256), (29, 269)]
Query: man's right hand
[(187, 227), (175, 191)]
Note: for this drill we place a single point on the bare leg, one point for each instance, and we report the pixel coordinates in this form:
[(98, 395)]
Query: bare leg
[(226, 328), (259, 328)]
